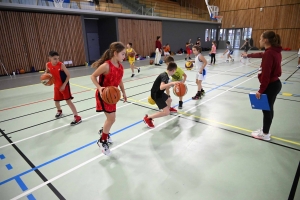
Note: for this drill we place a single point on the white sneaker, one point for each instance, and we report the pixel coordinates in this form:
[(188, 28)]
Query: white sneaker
[(298, 66), (258, 134)]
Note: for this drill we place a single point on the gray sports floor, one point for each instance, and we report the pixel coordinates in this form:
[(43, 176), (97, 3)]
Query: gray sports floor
[(205, 152)]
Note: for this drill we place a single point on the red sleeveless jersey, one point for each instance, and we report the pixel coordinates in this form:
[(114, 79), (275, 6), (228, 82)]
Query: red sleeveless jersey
[(114, 76), (58, 74)]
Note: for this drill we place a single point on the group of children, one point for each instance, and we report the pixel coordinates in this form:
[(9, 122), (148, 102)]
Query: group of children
[(110, 72)]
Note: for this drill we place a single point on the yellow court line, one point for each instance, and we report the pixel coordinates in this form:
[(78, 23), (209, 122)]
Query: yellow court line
[(81, 86), (221, 123)]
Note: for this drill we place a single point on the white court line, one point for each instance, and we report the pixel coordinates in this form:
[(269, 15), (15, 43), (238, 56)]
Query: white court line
[(22, 140), (116, 147)]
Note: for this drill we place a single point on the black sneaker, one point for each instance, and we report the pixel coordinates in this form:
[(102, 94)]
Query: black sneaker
[(58, 114), (180, 105), (105, 147), (139, 69), (109, 140), (202, 92), (132, 75), (197, 96)]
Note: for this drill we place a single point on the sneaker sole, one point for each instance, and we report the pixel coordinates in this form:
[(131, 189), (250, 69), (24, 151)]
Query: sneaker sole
[(260, 138), (76, 123)]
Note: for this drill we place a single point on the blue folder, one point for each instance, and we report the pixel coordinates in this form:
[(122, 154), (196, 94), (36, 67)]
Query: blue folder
[(260, 104)]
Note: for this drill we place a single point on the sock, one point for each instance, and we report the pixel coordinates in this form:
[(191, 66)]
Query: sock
[(180, 102), (104, 136), (59, 110)]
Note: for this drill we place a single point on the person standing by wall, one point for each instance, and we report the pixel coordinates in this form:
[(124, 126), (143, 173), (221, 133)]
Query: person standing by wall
[(158, 51)]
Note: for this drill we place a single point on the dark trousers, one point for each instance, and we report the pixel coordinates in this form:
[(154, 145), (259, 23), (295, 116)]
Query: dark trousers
[(213, 57), (272, 91), (109, 1)]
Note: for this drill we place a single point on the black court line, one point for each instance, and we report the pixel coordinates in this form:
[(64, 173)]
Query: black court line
[(194, 120), (295, 184), (43, 110), (51, 187), (292, 74), (61, 106), (38, 124)]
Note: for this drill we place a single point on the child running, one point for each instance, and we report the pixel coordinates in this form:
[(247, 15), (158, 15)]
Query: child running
[(131, 59), (162, 100), (200, 63), (110, 73), (229, 51), (62, 90), (188, 50), (179, 75)]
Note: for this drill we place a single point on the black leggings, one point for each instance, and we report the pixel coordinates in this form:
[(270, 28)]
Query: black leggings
[(213, 57), (272, 90)]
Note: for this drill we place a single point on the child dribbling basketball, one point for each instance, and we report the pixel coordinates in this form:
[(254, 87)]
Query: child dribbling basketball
[(62, 90), (110, 73), (200, 63), (131, 59), (179, 75), (162, 100)]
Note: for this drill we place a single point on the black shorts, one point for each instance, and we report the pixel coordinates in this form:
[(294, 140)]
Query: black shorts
[(160, 101)]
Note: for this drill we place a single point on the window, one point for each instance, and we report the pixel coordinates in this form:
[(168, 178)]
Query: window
[(247, 32), (207, 35), (213, 34)]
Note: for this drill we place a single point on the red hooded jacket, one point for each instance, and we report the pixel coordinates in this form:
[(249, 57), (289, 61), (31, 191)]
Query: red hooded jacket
[(270, 69)]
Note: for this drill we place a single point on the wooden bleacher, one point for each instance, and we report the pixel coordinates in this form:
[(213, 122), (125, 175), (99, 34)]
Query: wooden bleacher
[(167, 8)]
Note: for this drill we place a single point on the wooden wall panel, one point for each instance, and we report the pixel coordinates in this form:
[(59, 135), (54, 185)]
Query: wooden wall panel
[(273, 17), (281, 16), (256, 3), (141, 33), (27, 38), (272, 2), (285, 2)]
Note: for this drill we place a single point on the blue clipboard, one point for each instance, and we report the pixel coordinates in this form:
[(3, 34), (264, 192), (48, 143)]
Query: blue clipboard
[(259, 104)]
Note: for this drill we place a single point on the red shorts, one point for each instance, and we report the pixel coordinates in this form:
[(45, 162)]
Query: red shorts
[(102, 106), (62, 95)]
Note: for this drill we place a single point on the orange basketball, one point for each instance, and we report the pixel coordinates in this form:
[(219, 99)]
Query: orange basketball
[(131, 54), (180, 89), (151, 62), (47, 79), (111, 95)]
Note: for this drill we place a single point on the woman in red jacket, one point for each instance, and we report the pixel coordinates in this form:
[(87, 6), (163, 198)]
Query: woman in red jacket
[(268, 76)]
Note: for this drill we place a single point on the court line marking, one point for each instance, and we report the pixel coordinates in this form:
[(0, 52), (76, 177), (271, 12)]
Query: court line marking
[(87, 89), (22, 140), (218, 122), (73, 151), (34, 102), (122, 144)]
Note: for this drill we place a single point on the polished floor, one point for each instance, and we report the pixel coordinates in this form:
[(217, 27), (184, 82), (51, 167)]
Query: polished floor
[(204, 152)]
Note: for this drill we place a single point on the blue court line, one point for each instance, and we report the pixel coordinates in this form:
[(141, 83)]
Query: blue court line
[(93, 142), (30, 197), (21, 183), (8, 166), (2, 157), (24, 188)]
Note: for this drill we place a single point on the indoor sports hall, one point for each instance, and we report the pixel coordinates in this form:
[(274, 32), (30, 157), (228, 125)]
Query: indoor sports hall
[(204, 151)]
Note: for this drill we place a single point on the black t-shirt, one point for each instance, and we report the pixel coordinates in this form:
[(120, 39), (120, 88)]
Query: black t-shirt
[(155, 90)]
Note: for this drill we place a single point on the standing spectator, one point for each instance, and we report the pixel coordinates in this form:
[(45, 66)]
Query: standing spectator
[(158, 51)]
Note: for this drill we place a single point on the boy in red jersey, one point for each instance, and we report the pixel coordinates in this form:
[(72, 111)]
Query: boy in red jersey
[(62, 89), (110, 72)]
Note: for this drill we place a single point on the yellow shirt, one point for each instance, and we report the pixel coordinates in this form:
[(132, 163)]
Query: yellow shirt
[(177, 76)]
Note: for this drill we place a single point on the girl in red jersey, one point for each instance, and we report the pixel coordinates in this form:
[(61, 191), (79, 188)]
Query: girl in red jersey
[(268, 75), (110, 73), (62, 90)]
